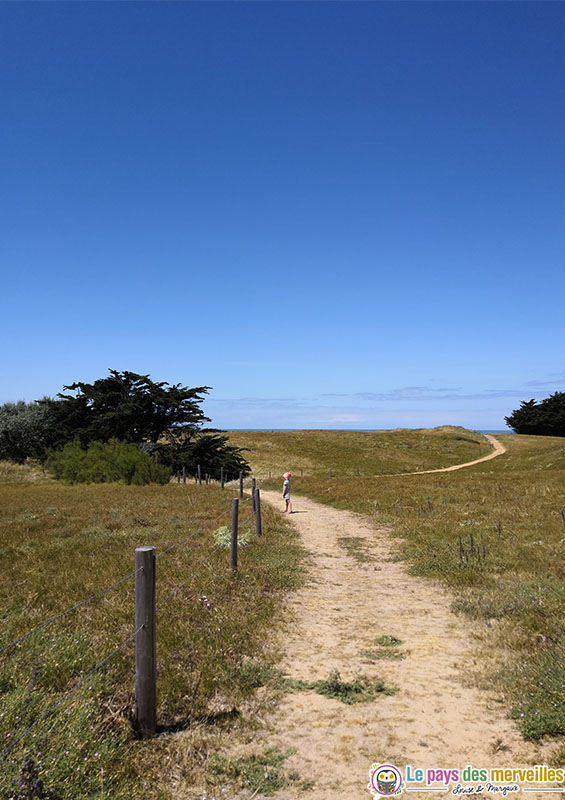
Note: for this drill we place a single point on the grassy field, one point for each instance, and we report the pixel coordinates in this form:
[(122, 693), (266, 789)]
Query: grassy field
[(61, 544), (494, 533), (315, 453)]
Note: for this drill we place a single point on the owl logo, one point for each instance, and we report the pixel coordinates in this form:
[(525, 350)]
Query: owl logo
[(385, 780)]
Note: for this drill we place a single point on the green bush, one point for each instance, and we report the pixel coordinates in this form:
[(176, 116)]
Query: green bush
[(25, 431), (106, 462)]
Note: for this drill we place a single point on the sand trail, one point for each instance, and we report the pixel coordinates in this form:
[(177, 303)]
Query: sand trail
[(434, 720)]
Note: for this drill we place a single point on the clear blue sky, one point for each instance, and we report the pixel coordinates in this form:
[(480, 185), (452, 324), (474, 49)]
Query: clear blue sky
[(341, 214)]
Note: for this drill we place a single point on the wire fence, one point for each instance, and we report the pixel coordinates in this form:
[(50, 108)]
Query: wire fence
[(141, 633)]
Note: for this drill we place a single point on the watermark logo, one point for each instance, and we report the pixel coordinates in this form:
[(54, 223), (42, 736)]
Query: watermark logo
[(385, 780)]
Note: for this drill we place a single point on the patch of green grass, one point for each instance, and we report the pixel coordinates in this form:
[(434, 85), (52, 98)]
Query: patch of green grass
[(222, 536), (253, 674), (376, 655), (260, 774), (356, 547), (387, 641), (361, 690), (537, 689)]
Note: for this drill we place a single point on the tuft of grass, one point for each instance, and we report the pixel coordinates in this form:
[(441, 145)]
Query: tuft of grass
[(387, 641), (222, 536), (253, 674), (376, 655), (356, 547), (361, 690), (260, 774)]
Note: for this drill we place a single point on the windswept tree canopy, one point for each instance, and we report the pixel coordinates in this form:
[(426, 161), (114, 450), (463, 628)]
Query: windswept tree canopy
[(81, 431), (546, 418), (127, 407)]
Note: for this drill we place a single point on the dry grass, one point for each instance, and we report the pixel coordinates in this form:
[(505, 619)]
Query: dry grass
[(63, 543), (315, 453), (495, 534)]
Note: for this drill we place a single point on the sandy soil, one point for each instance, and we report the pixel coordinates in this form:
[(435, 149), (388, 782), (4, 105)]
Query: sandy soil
[(435, 720)]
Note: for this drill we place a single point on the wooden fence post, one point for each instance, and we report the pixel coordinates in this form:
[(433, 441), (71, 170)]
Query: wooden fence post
[(233, 539), (145, 642), (222, 476), (258, 529), (199, 475), (184, 474), (253, 486)]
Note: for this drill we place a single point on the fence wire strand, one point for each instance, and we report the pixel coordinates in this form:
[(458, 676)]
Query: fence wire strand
[(70, 692), (192, 574), (68, 611), (114, 652), (192, 535)]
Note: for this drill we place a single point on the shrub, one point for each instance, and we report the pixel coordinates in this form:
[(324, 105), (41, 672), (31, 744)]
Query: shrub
[(24, 430), (106, 462)]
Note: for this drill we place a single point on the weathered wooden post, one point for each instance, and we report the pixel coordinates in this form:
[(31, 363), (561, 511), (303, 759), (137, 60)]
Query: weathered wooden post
[(253, 494), (233, 538), (258, 529), (240, 484), (178, 476), (184, 474), (145, 642), (199, 475), (222, 476)]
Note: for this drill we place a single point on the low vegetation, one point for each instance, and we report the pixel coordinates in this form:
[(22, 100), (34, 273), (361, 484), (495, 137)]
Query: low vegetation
[(494, 533), (62, 544), (125, 427), (356, 453)]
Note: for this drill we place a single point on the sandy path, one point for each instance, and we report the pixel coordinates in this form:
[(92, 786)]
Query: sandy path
[(434, 720), (498, 450)]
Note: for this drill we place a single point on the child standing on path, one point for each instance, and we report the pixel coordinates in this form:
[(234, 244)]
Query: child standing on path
[(286, 493)]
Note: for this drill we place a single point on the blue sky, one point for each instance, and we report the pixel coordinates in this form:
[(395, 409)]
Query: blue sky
[(342, 214)]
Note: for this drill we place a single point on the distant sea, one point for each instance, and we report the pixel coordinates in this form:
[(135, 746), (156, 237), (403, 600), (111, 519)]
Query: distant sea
[(353, 430)]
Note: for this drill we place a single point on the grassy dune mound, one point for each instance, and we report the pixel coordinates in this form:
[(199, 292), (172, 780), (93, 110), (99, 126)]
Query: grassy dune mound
[(367, 453)]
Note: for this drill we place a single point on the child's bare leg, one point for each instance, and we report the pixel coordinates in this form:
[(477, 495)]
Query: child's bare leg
[(290, 506)]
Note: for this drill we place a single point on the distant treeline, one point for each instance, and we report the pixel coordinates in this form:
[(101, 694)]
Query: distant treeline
[(123, 428)]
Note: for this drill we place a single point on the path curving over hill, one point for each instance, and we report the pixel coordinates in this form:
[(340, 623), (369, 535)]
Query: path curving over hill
[(498, 450)]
